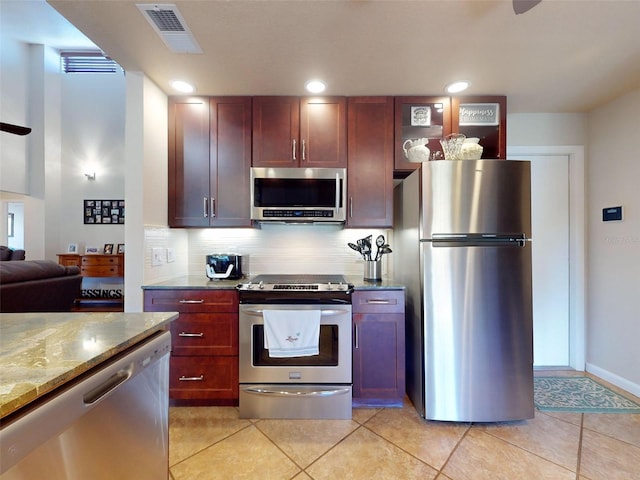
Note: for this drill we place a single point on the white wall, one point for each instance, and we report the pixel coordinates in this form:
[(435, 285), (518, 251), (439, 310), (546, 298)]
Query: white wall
[(614, 247), (545, 129), (93, 116), (14, 74)]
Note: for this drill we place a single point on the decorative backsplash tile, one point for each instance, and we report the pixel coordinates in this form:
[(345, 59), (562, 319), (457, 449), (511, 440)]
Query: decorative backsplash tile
[(271, 249)]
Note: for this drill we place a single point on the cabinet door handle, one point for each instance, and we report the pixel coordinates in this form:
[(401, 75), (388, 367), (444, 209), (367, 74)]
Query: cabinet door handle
[(191, 301), (191, 379), (350, 207), (186, 334), (304, 152), (204, 207), (294, 148), (355, 336), (213, 207)]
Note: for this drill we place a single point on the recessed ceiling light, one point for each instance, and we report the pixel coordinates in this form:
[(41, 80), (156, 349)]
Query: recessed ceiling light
[(457, 87), (315, 86), (182, 87)]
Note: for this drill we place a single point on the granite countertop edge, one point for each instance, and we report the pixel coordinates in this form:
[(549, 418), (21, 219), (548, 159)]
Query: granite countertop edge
[(41, 352)]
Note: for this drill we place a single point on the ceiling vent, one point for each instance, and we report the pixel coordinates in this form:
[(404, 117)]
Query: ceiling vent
[(166, 20)]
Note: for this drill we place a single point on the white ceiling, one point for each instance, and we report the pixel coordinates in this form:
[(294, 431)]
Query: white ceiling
[(561, 56)]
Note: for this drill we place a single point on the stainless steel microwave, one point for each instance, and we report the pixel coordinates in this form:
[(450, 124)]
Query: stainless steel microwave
[(299, 195)]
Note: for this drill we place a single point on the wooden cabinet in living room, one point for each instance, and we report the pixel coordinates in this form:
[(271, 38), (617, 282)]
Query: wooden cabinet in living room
[(294, 132), (209, 161), (103, 283), (204, 356), (370, 162), (378, 347)]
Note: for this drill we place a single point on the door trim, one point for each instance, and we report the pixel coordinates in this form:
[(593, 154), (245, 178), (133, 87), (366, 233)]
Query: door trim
[(577, 240)]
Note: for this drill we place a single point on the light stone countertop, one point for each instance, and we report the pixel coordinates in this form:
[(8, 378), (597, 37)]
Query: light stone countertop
[(40, 352)]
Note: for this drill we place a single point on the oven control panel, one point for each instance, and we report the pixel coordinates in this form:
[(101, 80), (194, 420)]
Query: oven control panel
[(302, 287)]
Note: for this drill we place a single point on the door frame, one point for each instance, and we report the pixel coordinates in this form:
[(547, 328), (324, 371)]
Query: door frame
[(577, 242)]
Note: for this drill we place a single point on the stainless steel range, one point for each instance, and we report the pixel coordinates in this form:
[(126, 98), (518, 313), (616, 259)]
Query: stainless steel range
[(295, 347)]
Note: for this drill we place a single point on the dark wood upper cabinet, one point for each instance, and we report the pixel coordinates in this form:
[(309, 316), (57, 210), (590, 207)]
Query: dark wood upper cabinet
[(483, 117), (209, 161), (189, 174), (230, 161), (299, 132), (276, 127), (420, 117), (323, 132), (370, 164)]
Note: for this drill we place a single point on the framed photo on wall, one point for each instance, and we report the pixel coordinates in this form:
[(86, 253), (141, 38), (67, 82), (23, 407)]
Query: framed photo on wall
[(103, 212)]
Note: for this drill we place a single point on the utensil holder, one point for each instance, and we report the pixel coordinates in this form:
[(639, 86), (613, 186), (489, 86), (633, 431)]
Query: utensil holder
[(373, 270)]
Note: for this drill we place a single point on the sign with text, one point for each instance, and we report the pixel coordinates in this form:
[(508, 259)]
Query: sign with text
[(479, 114)]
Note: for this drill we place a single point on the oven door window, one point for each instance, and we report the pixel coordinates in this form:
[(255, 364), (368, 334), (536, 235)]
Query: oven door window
[(328, 356)]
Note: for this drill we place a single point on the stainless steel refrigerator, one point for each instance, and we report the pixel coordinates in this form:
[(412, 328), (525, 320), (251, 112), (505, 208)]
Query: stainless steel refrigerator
[(462, 248)]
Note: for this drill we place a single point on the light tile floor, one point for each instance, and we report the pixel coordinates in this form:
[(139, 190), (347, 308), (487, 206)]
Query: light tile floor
[(395, 443)]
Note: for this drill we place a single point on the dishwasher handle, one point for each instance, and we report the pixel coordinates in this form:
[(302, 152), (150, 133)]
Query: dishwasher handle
[(117, 379)]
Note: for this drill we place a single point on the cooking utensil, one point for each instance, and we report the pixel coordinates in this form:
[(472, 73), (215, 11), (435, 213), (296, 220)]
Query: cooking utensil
[(355, 247), (379, 244)]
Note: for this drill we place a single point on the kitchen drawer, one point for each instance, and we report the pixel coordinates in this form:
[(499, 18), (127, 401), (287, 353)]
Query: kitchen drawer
[(203, 378), (205, 334), (378, 301), (186, 301)]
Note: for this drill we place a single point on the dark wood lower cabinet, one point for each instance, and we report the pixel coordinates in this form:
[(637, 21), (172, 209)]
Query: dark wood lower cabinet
[(378, 348), (204, 355)]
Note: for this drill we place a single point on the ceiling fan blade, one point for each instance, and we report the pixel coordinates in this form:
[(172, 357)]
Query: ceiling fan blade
[(522, 6), (15, 129)]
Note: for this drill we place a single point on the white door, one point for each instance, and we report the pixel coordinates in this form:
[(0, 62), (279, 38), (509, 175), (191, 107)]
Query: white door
[(550, 251)]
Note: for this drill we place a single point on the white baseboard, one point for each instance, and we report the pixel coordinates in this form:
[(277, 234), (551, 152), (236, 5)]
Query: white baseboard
[(616, 380)]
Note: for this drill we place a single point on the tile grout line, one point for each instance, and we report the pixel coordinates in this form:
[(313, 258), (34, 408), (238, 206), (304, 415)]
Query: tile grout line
[(359, 426), (453, 450), (210, 445), (529, 451)]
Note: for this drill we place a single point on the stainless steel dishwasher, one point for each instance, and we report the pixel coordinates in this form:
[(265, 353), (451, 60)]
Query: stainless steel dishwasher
[(111, 423)]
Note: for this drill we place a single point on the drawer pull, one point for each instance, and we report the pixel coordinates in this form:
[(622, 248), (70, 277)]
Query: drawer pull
[(191, 379), (185, 334), (379, 301), (191, 301)]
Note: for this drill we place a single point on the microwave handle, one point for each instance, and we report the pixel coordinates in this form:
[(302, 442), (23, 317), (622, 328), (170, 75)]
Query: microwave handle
[(337, 190)]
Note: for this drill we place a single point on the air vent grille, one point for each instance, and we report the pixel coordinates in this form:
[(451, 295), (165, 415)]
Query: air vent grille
[(88, 62), (166, 20), (169, 24)]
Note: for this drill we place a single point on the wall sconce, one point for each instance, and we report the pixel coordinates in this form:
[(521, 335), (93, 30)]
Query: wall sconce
[(90, 176)]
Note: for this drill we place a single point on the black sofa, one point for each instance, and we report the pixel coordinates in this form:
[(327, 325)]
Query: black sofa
[(38, 286)]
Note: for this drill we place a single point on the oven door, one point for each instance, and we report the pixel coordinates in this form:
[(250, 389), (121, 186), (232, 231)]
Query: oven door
[(331, 365), (312, 387)]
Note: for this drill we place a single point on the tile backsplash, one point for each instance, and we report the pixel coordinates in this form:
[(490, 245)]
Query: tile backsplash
[(307, 249), (284, 249)]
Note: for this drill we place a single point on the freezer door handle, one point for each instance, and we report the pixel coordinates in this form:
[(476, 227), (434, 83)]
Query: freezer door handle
[(478, 240)]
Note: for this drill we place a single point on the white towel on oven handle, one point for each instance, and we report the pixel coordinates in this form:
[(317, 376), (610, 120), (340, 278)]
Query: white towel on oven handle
[(291, 333)]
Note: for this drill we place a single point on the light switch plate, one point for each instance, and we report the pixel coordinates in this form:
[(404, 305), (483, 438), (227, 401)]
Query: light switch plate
[(171, 257), (156, 257)]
